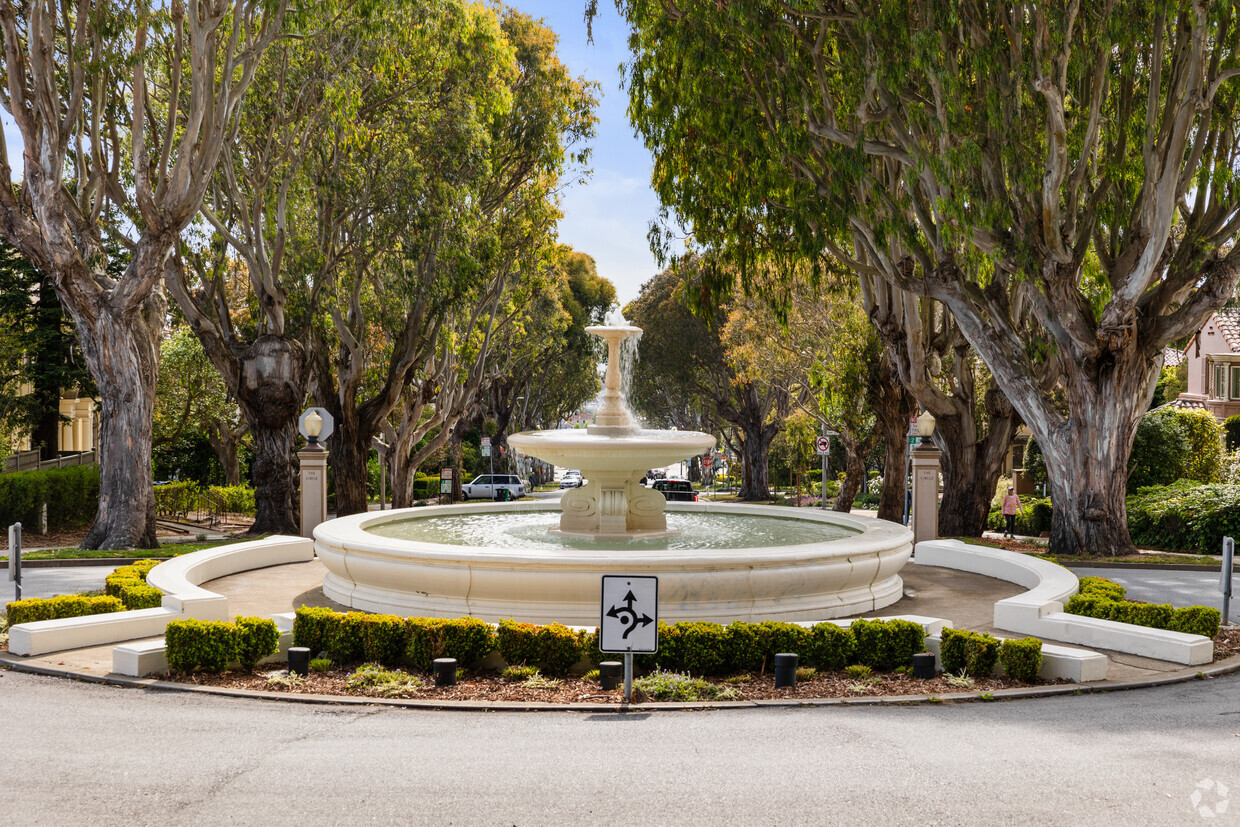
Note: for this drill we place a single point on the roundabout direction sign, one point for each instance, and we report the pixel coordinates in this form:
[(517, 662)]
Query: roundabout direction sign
[(629, 620)]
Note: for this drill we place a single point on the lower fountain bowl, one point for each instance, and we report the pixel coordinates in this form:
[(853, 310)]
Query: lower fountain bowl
[(812, 580)]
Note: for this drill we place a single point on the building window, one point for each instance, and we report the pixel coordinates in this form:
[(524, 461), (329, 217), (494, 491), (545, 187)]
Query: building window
[(1219, 391), (1235, 382)]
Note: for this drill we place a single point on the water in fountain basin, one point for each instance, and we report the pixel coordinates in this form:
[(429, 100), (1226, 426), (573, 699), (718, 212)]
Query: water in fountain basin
[(529, 531)]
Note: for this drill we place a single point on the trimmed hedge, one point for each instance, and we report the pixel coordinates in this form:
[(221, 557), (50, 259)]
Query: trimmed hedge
[(698, 648), (71, 495), (1103, 599), (973, 653), (1035, 519), (66, 605), (1185, 516), (129, 584), (211, 645), (1021, 658)]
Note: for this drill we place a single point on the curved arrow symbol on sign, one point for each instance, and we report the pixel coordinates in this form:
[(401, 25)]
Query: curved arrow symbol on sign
[(627, 615)]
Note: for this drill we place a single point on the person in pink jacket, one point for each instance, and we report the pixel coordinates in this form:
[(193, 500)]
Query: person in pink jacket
[(1011, 507)]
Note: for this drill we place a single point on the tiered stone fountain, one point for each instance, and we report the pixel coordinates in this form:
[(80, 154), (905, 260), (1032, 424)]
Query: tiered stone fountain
[(717, 562)]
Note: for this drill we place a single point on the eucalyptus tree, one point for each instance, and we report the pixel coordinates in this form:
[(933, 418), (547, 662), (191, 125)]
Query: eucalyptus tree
[(820, 347), (682, 361), (1066, 162), (122, 109), (482, 170)]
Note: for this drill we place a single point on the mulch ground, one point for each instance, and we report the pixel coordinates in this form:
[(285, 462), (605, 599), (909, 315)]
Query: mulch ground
[(491, 687)]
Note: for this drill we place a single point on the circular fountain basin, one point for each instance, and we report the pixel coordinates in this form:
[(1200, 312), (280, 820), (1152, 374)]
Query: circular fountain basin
[(822, 565)]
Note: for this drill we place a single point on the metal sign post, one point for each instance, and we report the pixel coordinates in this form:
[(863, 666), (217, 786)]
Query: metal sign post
[(1229, 558), (15, 557), (629, 620)]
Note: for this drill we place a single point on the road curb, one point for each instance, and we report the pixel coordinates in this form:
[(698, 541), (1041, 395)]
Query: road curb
[(1223, 668)]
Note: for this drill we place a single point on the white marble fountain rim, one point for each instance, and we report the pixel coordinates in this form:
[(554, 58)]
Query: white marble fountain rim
[(349, 533)]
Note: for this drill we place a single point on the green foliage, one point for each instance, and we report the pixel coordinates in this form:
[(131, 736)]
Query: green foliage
[(314, 627), (519, 673), (752, 647), (829, 646), (467, 639), (1021, 658), (66, 605), (129, 584), (1184, 516), (696, 647), (257, 637), (887, 644), (553, 648), (1173, 444), (209, 645), (1103, 599), (320, 664), (71, 495), (373, 679), (671, 686), (1197, 620), (1205, 444), (232, 499), (177, 499), (1231, 425), (971, 653), (1100, 587), (858, 671)]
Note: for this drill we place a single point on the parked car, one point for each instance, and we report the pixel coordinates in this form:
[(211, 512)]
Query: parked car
[(484, 487), (676, 490), (572, 479)]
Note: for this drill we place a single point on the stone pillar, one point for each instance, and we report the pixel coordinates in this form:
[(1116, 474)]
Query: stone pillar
[(925, 520), (313, 462)]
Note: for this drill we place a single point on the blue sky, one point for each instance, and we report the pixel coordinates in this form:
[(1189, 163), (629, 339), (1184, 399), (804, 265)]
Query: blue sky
[(606, 217)]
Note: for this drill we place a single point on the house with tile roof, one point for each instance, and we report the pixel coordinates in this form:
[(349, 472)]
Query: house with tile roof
[(1213, 359)]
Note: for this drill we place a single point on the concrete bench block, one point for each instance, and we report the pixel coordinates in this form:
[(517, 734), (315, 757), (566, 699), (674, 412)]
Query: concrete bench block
[(43, 636)]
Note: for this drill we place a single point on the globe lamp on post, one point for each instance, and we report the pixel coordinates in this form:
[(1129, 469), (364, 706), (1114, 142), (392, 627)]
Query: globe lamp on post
[(925, 427), (314, 427)]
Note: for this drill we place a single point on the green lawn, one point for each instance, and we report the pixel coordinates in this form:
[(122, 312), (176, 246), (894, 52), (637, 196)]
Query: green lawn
[(169, 550)]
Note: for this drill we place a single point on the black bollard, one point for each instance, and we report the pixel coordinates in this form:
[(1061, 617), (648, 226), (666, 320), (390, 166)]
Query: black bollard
[(786, 670), (923, 666), (299, 660), (610, 673), (445, 671)]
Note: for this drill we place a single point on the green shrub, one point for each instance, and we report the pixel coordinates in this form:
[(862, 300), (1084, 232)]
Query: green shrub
[(257, 637), (1231, 426), (348, 645), (1032, 521), (1196, 620), (887, 644), (828, 646), (1101, 587), (66, 605), (467, 639), (129, 584), (1185, 516), (209, 645), (750, 647), (698, 647), (315, 628), (1193, 620), (177, 499), (71, 495), (233, 499), (425, 488), (373, 679), (1205, 444), (1021, 658), (519, 673), (320, 664), (553, 648), (973, 653), (1160, 450)]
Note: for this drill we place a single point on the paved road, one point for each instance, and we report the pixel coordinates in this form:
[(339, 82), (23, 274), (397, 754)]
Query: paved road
[(82, 753), (49, 582), (1179, 588)]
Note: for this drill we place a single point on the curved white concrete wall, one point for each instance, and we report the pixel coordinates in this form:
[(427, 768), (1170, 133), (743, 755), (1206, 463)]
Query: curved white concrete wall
[(811, 581)]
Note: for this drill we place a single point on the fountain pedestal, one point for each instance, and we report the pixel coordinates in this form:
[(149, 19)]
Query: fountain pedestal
[(613, 504)]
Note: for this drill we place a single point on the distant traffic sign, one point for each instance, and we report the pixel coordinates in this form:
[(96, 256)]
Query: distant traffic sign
[(629, 615), (822, 445)]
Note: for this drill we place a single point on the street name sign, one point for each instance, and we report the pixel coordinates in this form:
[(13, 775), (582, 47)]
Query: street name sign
[(629, 615)]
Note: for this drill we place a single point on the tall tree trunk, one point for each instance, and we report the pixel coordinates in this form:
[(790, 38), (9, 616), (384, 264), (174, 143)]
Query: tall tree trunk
[(226, 442), (971, 467), (123, 355), (893, 405), (854, 473), (49, 362), (350, 451), (1087, 456), (270, 390), (755, 461)]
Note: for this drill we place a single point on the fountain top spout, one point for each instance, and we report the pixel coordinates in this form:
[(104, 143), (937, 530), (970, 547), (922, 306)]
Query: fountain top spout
[(613, 417)]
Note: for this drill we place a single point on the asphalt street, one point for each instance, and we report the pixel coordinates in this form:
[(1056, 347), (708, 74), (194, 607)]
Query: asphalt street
[(91, 754)]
